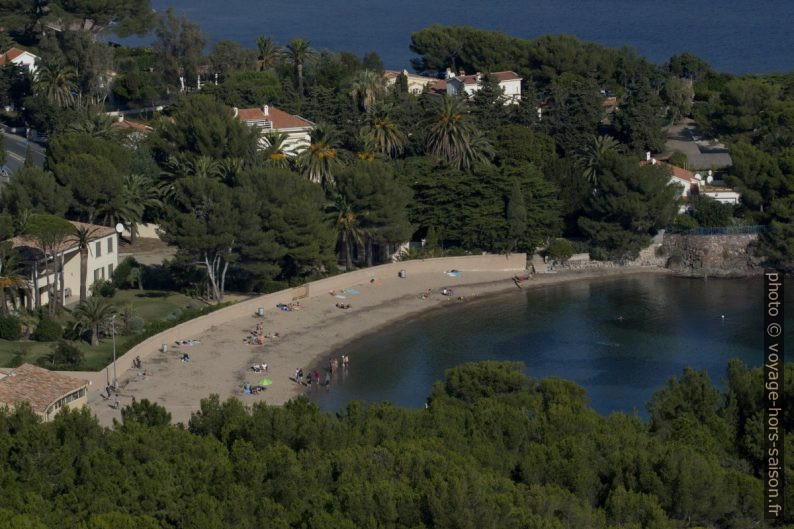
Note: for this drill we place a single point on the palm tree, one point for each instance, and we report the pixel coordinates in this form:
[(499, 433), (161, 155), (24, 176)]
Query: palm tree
[(269, 53), (451, 132), (478, 150), (230, 170), (298, 51), (348, 231), (383, 132), (367, 151), (97, 125), (57, 81), (11, 278), (275, 154), (366, 87), (90, 315), (83, 236), (591, 158), (140, 193), (321, 158)]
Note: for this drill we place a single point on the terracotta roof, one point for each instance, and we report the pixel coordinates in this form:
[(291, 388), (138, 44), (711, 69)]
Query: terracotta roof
[(11, 54), (279, 118), (38, 386), (439, 87), (29, 243), (134, 126), (499, 76), (678, 172)]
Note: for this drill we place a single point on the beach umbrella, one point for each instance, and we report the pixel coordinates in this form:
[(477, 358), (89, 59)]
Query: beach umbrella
[(265, 382)]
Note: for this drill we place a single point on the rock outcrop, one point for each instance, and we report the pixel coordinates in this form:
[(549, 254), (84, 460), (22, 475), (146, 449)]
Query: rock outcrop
[(711, 255)]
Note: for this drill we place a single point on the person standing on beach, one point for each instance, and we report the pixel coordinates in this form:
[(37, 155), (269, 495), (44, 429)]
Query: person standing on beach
[(327, 380)]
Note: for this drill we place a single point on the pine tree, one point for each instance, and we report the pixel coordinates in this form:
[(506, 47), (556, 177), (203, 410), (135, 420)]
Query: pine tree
[(516, 215)]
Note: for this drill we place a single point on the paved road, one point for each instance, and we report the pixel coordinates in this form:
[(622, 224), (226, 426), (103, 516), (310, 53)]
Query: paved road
[(16, 147)]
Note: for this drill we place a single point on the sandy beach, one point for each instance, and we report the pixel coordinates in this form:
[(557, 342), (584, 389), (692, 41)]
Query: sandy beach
[(221, 362)]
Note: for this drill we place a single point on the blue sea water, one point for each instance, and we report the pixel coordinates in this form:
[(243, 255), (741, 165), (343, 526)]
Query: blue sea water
[(621, 339), (738, 36)]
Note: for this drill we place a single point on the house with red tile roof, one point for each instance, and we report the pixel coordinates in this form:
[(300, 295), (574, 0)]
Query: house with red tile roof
[(692, 183), (38, 268), (509, 82), (19, 57), (270, 119), (47, 392)]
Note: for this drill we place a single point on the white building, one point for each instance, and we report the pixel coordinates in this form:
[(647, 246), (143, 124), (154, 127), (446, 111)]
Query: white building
[(102, 260), (416, 83), (270, 119), (509, 82), (694, 184), (724, 195), (19, 57)]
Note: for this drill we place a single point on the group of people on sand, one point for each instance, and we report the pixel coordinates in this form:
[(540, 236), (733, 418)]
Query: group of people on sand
[(342, 305), (288, 307), (187, 343), (258, 336)]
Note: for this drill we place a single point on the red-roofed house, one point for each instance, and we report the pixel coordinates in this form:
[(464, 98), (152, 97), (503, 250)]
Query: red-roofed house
[(508, 81), (46, 391), (694, 184), (19, 57), (270, 119)]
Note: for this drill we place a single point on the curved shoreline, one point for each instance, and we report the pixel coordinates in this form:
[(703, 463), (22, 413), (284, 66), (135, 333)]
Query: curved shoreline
[(310, 336), (486, 293)]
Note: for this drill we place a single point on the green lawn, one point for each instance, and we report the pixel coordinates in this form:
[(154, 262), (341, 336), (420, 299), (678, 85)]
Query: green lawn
[(149, 305)]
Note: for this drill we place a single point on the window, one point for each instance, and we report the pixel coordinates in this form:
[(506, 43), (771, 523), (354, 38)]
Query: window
[(99, 273), (110, 270), (98, 251), (110, 244)]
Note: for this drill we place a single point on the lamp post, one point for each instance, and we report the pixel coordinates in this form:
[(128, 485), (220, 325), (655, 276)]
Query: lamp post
[(113, 332)]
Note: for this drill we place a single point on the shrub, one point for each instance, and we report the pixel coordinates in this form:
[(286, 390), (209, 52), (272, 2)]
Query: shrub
[(122, 275), (679, 159), (48, 330), (103, 288), (135, 324), (66, 354), (683, 223), (560, 250), (10, 327)]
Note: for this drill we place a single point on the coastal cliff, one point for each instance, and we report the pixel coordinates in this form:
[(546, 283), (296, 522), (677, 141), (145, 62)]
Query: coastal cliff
[(711, 255)]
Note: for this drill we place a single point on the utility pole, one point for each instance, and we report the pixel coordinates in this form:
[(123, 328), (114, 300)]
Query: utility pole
[(113, 332)]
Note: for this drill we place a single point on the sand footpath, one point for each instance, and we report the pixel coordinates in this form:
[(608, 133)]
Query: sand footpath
[(221, 363)]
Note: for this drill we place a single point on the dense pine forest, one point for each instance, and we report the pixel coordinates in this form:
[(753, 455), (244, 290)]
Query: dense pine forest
[(493, 449)]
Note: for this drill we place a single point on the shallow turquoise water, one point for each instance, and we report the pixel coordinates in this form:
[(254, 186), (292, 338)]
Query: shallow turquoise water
[(572, 331)]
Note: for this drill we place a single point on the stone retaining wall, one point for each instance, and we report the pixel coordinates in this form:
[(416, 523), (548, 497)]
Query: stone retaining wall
[(711, 255), (197, 326)]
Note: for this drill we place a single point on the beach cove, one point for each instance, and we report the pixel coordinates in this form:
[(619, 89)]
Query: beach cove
[(221, 362)]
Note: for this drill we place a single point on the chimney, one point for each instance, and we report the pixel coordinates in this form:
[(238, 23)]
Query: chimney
[(647, 156), (449, 74), (478, 76), (265, 110)]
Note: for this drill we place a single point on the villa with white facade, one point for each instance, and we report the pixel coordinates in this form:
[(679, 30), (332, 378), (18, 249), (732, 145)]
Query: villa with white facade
[(270, 119), (19, 57), (692, 183), (509, 82), (39, 269)]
